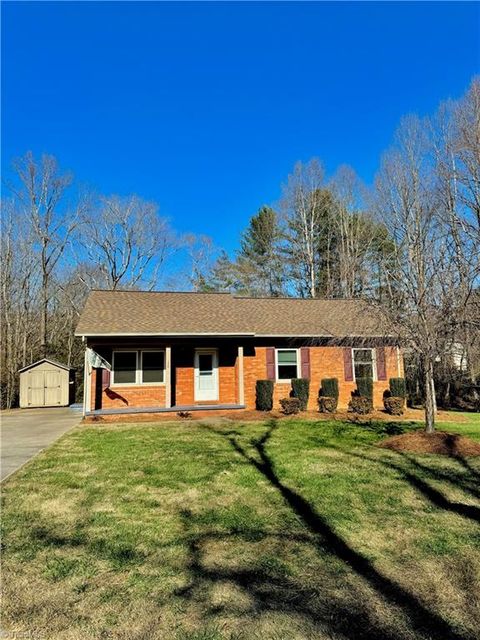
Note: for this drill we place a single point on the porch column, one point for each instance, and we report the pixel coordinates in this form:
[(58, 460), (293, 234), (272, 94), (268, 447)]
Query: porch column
[(86, 385), (241, 389), (168, 380)]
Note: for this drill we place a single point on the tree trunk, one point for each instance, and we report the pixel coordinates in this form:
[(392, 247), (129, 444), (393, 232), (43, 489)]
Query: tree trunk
[(43, 327), (430, 404)]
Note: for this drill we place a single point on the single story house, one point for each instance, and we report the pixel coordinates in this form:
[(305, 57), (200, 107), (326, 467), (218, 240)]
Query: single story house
[(172, 351)]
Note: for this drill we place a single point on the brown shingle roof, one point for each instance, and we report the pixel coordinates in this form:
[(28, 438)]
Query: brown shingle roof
[(172, 313)]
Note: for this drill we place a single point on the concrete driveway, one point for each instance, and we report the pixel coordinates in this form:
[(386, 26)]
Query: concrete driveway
[(25, 432)]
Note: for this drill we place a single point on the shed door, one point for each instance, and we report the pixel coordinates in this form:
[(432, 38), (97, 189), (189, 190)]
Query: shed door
[(44, 388), (36, 389), (53, 388)]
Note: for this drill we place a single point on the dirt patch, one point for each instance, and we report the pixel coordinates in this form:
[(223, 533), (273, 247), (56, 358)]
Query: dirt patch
[(440, 442)]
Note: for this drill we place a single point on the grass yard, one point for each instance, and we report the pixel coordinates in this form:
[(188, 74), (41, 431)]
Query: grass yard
[(279, 530)]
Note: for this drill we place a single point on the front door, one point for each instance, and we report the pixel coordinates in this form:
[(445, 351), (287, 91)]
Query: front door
[(206, 375)]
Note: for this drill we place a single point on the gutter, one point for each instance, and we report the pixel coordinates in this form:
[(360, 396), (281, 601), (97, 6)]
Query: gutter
[(156, 334)]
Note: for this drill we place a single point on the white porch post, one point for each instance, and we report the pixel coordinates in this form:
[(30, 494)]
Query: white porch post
[(168, 381), (86, 386), (241, 387)]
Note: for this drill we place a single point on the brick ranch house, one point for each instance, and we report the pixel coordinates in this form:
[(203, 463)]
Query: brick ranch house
[(169, 351)]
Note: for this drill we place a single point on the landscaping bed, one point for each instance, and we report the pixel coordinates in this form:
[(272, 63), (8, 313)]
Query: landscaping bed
[(439, 442)]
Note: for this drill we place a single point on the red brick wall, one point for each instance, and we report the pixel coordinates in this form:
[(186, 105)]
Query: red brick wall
[(325, 362), (118, 397), (227, 378), (184, 384), (138, 396)]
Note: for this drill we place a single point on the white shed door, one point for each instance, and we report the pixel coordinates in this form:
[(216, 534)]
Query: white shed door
[(44, 388), (36, 388), (53, 388)]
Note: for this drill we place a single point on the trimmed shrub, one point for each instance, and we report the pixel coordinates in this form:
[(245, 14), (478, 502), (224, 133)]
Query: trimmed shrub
[(398, 388), (301, 390), (290, 405), (264, 395), (394, 405), (361, 405), (365, 388), (328, 396), (329, 387), (327, 404)]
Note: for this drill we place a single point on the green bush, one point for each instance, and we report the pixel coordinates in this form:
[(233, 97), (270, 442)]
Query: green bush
[(394, 405), (361, 405), (365, 387), (264, 395), (326, 404), (398, 388), (301, 390), (290, 405), (329, 388)]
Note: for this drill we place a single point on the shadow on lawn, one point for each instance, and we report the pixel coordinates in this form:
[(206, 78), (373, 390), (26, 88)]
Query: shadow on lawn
[(272, 590), (285, 594), (436, 497)]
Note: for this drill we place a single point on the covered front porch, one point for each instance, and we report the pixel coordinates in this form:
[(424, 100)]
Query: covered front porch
[(156, 376)]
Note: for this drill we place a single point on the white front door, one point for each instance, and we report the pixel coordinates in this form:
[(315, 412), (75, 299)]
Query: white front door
[(206, 374)]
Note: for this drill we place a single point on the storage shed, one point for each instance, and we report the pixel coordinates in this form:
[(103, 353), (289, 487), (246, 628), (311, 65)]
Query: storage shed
[(47, 383)]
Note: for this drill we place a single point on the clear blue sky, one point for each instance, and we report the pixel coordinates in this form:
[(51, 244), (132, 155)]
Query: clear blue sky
[(205, 107)]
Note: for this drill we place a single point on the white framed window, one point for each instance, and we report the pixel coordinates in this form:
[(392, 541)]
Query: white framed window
[(287, 364), (364, 363), (138, 367)]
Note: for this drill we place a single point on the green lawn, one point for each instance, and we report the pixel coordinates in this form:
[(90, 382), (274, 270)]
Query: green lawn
[(276, 531)]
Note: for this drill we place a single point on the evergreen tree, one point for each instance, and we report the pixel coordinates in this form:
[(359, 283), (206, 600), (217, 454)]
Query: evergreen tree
[(257, 269), (259, 253)]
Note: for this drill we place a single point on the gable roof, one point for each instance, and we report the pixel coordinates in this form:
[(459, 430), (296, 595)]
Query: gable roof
[(146, 313), (54, 362)]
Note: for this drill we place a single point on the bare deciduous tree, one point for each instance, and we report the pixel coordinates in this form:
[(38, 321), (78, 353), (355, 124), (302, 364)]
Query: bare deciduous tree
[(428, 276), (40, 195), (19, 282), (361, 243), (127, 241), (304, 206)]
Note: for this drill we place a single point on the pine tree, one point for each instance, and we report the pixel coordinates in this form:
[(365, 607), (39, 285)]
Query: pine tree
[(259, 253)]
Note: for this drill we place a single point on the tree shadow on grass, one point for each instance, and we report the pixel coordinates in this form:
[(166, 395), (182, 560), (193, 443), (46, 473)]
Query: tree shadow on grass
[(432, 494), (466, 481), (271, 590), (423, 622), (462, 460)]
